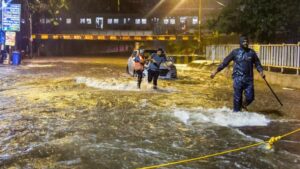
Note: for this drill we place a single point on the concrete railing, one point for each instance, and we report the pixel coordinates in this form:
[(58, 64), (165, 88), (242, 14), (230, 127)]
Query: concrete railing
[(284, 56)]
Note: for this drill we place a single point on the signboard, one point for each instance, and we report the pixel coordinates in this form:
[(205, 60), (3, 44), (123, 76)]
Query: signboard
[(11, 16), (10, 38)]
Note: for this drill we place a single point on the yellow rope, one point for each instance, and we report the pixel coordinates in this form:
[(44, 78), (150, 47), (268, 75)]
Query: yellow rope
[(290, 133), (269, 145), (271, 141)]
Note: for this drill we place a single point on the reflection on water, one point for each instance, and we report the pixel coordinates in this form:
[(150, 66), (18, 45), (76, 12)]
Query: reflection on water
[(88, 114)]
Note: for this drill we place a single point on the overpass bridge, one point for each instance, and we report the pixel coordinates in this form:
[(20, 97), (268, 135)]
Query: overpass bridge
[(105, 44), (94, 37)]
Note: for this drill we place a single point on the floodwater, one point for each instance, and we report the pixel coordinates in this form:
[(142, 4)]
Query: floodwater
[(87, 113)]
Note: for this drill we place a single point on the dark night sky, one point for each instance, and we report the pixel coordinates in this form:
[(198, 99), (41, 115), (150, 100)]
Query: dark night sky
[(140, 6)]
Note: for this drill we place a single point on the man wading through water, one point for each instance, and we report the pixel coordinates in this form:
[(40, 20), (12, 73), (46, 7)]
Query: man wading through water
[(156, 60), (244, 58), (139, 62)]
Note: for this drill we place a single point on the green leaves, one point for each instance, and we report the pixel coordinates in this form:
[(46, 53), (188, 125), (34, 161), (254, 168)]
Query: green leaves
[(51, 8), (262, 20)]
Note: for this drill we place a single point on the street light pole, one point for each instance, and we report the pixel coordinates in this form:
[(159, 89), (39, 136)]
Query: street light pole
[(2, 45), (199, 21), (119, 3), (30, 38), (30, 29)]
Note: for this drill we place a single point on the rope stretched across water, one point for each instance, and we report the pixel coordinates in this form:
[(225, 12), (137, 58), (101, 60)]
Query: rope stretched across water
[(269, 145)]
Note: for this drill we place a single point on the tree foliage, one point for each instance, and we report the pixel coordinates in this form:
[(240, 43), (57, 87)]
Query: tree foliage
[(51, 8), (263, 20), (110, 6)]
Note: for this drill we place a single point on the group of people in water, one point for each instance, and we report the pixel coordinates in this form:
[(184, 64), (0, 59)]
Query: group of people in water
[(244, 60), (156, 60)]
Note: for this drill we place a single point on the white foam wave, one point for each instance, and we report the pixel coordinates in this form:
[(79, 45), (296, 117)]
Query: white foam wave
[(109, 84), (38, 66), (182, 115), (222, 117), (119, 85)]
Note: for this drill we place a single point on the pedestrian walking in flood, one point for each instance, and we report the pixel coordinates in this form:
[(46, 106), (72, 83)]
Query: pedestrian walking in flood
[(139, 62), (154, 67), (244, 58)]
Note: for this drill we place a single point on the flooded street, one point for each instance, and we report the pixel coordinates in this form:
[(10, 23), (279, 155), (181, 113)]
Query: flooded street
[(86, 113)]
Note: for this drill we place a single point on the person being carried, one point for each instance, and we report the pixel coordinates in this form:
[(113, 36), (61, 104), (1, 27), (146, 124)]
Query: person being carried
[(139, 62), (244, 58), (153, 70)]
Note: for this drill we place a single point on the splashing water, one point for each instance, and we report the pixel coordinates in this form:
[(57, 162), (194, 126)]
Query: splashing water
[(52, 122), (222, 117), (116, 84), (182, 115), (110, 84)]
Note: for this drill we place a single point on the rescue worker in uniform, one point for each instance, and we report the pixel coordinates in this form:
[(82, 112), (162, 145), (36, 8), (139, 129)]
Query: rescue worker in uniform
[(244, 58), (156, 60), (139, 62)]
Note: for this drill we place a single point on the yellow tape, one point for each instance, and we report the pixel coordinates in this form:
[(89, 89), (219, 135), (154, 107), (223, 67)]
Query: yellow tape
[(269, 145)]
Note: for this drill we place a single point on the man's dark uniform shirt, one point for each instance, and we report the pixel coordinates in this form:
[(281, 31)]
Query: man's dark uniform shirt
[(244, 59)]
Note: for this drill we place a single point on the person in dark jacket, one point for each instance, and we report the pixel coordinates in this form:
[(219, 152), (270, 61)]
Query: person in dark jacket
[(244, 58), (157, 59)]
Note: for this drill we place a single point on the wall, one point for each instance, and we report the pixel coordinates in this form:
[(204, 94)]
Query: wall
[(284, 80)]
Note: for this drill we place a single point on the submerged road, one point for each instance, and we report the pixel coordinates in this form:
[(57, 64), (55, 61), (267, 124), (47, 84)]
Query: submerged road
[(87, 113)]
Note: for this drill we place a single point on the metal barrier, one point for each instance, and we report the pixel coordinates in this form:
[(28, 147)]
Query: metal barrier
[(272, 55), (184, 59)]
